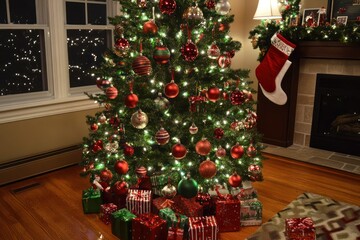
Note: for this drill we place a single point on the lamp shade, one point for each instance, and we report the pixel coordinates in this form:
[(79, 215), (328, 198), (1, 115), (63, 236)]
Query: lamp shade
[(267, 9)]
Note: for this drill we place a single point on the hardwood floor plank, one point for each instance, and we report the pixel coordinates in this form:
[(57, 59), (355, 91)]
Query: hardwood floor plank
[(53, 209)]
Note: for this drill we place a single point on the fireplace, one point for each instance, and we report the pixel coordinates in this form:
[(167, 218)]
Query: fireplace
[(336, 115)]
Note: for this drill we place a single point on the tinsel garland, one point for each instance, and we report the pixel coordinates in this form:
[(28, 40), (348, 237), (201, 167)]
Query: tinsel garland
[(260, 36)]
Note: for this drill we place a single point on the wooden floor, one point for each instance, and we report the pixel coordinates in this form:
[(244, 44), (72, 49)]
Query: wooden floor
[(49, 206)]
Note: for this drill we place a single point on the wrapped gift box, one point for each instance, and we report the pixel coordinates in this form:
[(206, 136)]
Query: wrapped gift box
[(245, 193), (300, 229), (228, 213), (91, 200), (208, 203), (250, 212), (161, 203), (203, 228), (174, 219), (121, 223), (120, 201), (188, 207), (139, 201), (222, 189), (175, 234), (106, 210), (149, 226)]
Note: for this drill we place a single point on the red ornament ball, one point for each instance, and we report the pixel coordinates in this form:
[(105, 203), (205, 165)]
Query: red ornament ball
[(213, 94), (189, 51), (120, 188), (128, 150), (213, 52), (237, 97), (131, 100), (179, 151), (121, 167), (167, 6), (220, 152), (150, 27), (106, 175), (142, 66), (161, 55), (207, 169), (235, 180), (111, 92), (122, 44), (162, 136), (94, 127), (203, 147), (224, 61), (171, 90), (141, 172), (237, 151), (97, 146), (210, 4), (251, 150), (102, 118), (218, 133)]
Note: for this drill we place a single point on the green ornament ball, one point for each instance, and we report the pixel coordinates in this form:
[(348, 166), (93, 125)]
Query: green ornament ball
[(188, 188)]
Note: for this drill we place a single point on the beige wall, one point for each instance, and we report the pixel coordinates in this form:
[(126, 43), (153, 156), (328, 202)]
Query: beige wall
[(40, 135), (246, 58), (35, 136)]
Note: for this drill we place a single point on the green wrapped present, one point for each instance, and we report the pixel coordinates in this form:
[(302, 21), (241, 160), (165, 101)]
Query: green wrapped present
[(173, 219), (121, 223), (91, 200)]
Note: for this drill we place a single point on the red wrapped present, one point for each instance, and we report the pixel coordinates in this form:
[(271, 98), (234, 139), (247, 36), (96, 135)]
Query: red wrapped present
[(106, 210), (175, 233), (161, 203), (300, 229), (203, 228), (149, 226), (120, 201), (207, 202), (227, 213), (138, 201), (186, 206)]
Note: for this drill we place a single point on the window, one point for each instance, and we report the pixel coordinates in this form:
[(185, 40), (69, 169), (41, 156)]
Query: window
[(87, 42), (22, 48), (48, 51)]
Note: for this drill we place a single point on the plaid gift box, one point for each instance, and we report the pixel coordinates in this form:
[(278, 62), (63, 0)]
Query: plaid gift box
[(228, 213), (300, 229), (105, 212), (149, 226), (203, 228), (138, 201), (250, 212), (91, 200), (121, 223)]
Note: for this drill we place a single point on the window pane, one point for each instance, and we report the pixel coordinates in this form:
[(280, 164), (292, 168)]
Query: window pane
[(23, 11), (85, 48), (97, 14), (75, 13), (22, 67), (3, 14)]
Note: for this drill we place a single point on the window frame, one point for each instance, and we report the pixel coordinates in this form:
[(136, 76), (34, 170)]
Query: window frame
[(59, 98)]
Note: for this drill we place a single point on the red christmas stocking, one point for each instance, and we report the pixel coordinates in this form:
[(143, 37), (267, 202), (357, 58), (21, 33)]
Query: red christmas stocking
[(273, 62)]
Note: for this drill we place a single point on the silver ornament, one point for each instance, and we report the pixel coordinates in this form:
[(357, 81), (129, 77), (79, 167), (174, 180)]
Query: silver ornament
[(223, 7), (139, 120), (169, 191)]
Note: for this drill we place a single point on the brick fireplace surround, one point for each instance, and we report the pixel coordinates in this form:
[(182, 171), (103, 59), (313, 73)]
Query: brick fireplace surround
[(310, 59)]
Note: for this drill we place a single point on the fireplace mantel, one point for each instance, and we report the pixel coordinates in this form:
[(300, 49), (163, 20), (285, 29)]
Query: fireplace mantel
[(276, 122)]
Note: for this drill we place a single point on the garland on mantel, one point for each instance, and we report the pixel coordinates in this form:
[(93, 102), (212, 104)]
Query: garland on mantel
[(330, 31)]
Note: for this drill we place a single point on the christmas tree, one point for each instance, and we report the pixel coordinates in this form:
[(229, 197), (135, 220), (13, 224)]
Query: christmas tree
[(173, 106)]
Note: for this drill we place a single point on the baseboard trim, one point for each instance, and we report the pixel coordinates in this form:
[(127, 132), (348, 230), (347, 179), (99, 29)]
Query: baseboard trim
[(38, 164)]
